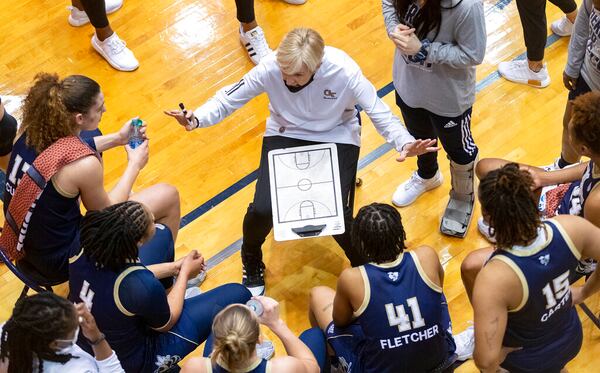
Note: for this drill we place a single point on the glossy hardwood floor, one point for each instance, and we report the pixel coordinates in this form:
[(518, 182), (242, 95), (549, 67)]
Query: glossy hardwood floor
[(188, 49)]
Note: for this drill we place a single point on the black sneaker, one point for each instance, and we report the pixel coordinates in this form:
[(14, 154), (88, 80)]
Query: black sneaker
[(253, 277)]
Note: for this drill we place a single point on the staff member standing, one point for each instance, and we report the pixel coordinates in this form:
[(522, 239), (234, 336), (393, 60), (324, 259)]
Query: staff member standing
[(312, 91)]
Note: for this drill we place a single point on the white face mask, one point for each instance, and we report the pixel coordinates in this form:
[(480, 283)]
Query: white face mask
[(65, 346)]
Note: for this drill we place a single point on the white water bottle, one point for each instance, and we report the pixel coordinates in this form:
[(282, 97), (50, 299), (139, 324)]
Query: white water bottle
[(255, 306)]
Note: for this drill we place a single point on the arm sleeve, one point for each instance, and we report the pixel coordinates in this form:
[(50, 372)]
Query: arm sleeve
[(386, 123), (232, 97), (579, 39), (469, 49), (8, 131), (389, 15), (141, 294), (110, 365)]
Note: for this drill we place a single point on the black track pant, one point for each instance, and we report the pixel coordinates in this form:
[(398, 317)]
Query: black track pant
[(245, 10), (96, 12)]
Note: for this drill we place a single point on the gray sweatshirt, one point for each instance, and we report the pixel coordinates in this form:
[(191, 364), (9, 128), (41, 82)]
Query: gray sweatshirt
[(584, 47), (445, 82)]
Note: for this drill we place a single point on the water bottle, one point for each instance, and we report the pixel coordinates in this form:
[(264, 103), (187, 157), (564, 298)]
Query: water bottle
[(255, 306), (135, 135)]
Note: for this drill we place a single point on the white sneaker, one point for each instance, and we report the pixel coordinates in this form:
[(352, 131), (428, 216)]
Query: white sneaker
[(255, 43), (484, 229), (562, 27), (192, 292), (518, 71), (196, 281), (465, 344), (411, 189), (295, 2), (114, 50), (79, 17)]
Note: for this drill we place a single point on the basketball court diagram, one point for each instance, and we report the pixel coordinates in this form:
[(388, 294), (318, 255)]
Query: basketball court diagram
[(305, 192)]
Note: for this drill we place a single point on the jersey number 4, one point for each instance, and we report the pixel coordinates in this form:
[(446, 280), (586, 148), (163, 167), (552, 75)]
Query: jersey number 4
[(560, 286), (397, 315)]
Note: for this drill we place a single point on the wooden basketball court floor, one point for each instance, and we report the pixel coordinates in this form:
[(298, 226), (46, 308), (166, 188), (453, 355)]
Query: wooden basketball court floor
[(188, 49)]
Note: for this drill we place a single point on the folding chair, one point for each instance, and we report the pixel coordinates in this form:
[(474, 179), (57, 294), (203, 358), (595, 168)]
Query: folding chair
[(26, 274)]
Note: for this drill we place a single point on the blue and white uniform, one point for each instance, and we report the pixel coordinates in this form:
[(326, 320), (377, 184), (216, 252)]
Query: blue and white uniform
[(573, 202), (545, 324), (403, 324), (259, 366)]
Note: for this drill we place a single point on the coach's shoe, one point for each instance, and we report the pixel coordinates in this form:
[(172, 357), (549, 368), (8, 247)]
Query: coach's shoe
[(79, 17), (459, 210), (295, 2), (115, 51), (518, 71), (484, 229), (465, 344), (562, 27), (253, 277), (411, 189), (255, 43)]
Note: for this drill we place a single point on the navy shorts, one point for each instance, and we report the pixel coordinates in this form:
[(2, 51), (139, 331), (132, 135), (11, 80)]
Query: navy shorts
[(581, 87), (345, 342)]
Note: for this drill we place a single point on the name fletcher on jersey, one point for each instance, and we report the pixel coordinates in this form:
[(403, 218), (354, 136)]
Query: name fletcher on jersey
[(405, 339)]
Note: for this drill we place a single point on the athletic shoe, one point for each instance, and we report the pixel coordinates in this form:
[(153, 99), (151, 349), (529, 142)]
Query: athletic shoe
[(265, 350), (465, 344), (255, 43), (196, 281), (562, 27), (410, 190), (586, 267), (114, 50), (192, 292), (79, 17), (253, 277), (553, 166), (518, 71), (484, 229), (295, 2)]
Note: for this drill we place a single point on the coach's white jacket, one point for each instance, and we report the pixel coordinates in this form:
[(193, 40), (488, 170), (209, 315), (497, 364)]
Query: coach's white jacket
[(323, 111)]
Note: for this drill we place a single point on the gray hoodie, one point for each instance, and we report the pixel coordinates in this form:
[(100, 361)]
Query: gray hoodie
[(445, 82), (584, 47)]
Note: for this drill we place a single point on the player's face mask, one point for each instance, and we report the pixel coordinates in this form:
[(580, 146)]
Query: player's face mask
[(64, 346)]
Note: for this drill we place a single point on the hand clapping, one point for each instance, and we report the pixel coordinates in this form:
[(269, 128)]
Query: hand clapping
[(405, 40)]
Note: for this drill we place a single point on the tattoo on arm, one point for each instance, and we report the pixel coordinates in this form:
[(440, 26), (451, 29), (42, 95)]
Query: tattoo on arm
[(489, 336)]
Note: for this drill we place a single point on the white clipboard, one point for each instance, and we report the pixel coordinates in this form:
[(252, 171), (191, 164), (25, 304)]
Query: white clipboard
[(306, 194)]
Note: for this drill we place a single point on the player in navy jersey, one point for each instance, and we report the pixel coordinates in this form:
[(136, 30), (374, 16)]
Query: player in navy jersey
[(149, 329), (54, 109), (524, 315), (236, 333), (389, 315), (8, 130)]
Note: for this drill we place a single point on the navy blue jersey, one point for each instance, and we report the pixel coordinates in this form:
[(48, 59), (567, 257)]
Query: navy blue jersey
[(404, 318), (573, 202), (546, 310), (260, 366), (126, 306)]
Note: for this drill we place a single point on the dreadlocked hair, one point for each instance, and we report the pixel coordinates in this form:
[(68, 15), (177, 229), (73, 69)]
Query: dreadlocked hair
[(585, 120), (427, 19), (377, 233), (111, 236), (36, 321), (509, 204)]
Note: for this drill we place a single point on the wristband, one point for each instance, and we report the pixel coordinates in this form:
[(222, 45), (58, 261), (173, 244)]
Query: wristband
[(422, 53), (98, 341), (197, 122)]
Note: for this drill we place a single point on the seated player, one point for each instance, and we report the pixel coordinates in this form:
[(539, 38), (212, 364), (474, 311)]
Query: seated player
[(40, 336), (525, 320), (8, 131), (56, 109), (389, 315), (236, 333), (149, 329)]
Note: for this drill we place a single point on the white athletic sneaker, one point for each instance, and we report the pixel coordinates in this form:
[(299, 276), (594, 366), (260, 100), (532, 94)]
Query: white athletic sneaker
[(114, 50), (562, 27), (411, 189), (265, 350), (255, 43), (196, 281), (79, 17), (518, 71), (192, 292), (484, 229), (465, 343), (295, 2)]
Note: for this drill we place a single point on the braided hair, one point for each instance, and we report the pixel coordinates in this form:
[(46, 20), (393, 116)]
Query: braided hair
[(35, 323), (111, 236), (509, 205), (377, 233)]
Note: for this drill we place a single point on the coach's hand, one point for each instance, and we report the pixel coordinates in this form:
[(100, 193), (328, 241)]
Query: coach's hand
[(418, 147), (405, 40), (189, 121), (192, 264), (138, 157), (569, 81)]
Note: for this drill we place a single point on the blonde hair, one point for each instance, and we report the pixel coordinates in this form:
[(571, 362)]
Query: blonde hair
[(235, 331), (300, 47)]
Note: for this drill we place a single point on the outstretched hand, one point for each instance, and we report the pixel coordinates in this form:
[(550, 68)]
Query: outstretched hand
[(187, 120), (417, 147)]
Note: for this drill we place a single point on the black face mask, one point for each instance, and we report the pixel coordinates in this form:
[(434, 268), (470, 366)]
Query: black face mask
[(299, 88)]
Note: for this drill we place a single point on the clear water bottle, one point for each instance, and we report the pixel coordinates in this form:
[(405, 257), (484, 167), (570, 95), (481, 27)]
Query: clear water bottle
[(135, 134), (255, 306)]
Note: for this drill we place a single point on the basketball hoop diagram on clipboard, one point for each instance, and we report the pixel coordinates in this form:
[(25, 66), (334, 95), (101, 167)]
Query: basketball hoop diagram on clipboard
[(306, 195)]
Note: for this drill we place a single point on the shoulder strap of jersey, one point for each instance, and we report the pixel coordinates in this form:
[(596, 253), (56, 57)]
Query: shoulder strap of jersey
[(18, 214)]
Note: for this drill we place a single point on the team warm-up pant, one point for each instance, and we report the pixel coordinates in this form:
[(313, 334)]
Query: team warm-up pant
[(533, 19), (453, 132), (259, 220), (96, 12), (245, 10)]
